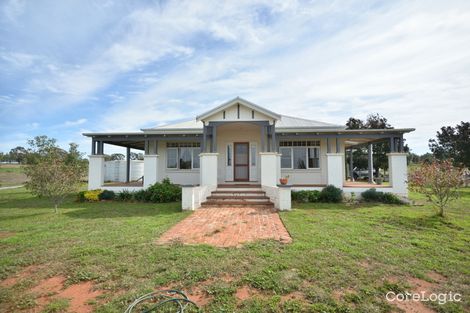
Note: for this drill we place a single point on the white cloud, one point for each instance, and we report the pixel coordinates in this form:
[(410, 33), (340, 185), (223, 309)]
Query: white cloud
[(75, 123), (409, 61)]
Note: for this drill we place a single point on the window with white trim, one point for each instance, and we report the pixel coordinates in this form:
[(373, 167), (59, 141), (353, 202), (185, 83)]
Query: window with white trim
[(300, 155), (182, 156)]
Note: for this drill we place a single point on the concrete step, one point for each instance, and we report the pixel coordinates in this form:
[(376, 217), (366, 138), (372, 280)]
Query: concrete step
[(239, 189), (235, 198), (239, 193), (266, 204), (239, 186)]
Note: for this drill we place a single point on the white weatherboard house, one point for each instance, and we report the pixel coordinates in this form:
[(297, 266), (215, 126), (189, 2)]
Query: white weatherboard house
[(236, 153)]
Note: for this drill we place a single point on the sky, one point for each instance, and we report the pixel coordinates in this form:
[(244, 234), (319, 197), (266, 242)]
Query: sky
[(69, 67)]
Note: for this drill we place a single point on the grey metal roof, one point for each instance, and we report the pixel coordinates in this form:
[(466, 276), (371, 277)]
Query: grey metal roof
[(296, 122), (284, 122)]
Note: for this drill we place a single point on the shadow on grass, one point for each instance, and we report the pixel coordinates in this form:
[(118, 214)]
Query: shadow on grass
[(422, 222), (132, 210)]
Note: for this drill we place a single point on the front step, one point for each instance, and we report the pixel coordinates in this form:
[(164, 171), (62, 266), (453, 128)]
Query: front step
[(239, 186), (266, 204), (238, 195)]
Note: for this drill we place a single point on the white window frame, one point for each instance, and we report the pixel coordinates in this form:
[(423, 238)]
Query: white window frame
[(177, 168), (177, 158), (291, 146), (291, 162)]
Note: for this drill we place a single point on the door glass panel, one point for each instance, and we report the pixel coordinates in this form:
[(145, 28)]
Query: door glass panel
[(241, 153), (241, 172), (241, 161)]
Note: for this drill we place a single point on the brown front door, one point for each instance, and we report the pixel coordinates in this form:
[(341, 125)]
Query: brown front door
[(241, 169)]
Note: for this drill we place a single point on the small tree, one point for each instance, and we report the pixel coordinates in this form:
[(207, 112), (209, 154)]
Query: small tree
[(55, 174), (438, 181)]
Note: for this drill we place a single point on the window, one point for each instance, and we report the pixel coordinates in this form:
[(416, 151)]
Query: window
[(286, 157), (172, 158), (196, 152), (299, 158), (229, 155), (183, 156), (253, 155), (300, 155), (313, 157)]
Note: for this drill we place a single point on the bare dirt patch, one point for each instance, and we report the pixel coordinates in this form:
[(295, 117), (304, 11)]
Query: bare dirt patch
[(419, 286), (6, 234), (23, 274), (340, 293), (296, 295), (245, 292), (78, 294)]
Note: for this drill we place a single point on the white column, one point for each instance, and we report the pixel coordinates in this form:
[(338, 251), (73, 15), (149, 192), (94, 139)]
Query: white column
[(208, 169), (187, 198), (335, 166), (150, 169), (270, 168), (398, 173), (95, 171), (284, 198)]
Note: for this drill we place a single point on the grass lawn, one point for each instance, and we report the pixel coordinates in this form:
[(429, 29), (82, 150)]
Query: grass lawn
[(342, 259), (11, 175)]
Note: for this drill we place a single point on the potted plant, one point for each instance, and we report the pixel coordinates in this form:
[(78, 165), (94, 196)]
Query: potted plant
[(284, 180)]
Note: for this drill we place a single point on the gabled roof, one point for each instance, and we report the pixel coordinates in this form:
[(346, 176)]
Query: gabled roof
[(283, 123), (236, 100)]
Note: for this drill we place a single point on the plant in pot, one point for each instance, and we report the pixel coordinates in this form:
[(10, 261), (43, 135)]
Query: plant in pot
[(284, 180)]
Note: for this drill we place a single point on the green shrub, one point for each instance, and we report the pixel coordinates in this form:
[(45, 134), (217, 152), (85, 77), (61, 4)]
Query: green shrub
[(107, 195), (300, 196), (93, 195), (331, 194), (372, 195), (391, 198), (313, 196), (142, 195), (81, 196), (164, 192), (124, 195), (306, 196)]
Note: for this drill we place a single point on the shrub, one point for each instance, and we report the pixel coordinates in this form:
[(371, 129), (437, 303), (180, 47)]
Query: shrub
[(331, 194), (390, 198), (124, 195), (306, 196), (92, 195), (313, 196), (141, 195), (164, 192), (81, 196), (372, 195), (300, 196), (107, 195)]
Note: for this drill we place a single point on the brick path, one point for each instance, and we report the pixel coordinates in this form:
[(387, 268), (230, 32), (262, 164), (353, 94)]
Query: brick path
[(227, 227)]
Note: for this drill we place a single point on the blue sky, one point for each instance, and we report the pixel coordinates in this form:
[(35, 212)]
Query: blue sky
[(68, 67)]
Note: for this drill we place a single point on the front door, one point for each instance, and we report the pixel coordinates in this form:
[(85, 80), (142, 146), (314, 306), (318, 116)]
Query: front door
[(241, 161)]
